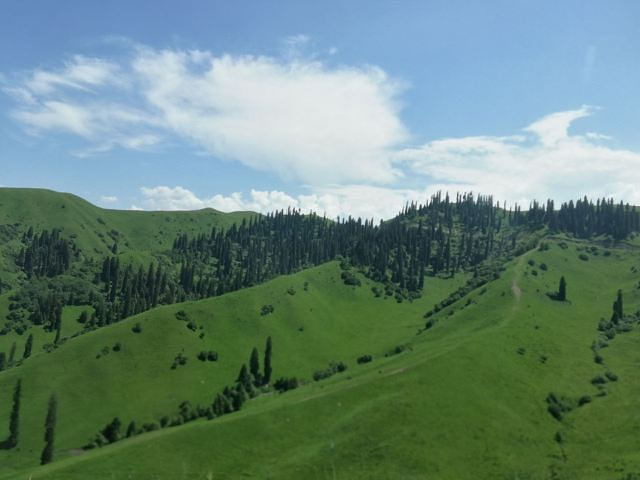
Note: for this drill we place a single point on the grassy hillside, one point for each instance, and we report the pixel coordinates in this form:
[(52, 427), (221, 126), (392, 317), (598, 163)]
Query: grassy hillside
[(467, 401), (327, 321), (139, 234)]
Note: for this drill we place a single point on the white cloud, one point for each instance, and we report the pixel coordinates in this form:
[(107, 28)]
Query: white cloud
[(356, 200), (298, 117), (549, 163), (109, 198)]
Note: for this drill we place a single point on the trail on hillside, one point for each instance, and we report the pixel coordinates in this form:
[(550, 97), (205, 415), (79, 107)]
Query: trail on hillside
[(515, 289)]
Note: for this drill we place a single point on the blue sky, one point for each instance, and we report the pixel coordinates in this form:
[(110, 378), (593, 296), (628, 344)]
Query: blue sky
[(341, 107)]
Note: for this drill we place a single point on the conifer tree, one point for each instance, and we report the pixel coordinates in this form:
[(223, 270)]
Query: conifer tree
[(131, 429), (267, 363), (562, 289), (49, 430), (254, 366), (3, 361), (618, 311), (243, 377), (28, 346), (14, 420)]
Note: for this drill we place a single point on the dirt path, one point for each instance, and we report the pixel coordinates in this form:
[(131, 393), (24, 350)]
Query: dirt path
[(515, 289)]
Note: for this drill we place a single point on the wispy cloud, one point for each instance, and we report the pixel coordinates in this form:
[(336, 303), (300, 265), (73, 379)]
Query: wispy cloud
[(300, 118)]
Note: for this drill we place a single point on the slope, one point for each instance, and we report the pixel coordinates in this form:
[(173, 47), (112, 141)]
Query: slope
[(316, 319), (468, 401)]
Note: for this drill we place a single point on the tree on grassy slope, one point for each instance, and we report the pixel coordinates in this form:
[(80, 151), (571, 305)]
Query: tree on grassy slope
[(49, 430), (562, 289), (254, 367), (267, 363)]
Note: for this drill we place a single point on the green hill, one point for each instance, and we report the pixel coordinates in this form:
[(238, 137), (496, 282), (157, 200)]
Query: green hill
[(506, 381)]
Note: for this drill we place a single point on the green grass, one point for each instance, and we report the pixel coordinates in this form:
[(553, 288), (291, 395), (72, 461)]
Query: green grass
[(139, 234), (466, 400), (329, 321)]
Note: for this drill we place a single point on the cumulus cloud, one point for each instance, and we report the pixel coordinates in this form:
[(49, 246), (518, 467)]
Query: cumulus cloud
[(298, 117), (334, 201), (546, 162), (109, 198)]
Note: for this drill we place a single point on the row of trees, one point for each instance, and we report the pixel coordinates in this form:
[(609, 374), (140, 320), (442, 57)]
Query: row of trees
[(14, 425)]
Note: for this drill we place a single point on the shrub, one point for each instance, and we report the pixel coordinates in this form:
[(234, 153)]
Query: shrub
[(364, 359), (611, 376), (117, 347), (349, 278), (584, 257), (182, 316), (331, 370), (291, 291), (266, 310), (598, 380), (583, 400), (543, 266), (531, 262), (283, 384), (137, 328)]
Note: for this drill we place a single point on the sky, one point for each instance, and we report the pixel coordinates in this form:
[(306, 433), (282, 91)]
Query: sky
[(343, 108)]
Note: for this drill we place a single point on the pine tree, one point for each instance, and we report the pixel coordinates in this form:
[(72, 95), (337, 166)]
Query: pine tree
[(58, 324), (267, 363), (12, 353), (49, 430), (3, 361), (131, 429), (28, 346), (618, 311), (14, 420), (243, 377), (562, 289), (254, 367)]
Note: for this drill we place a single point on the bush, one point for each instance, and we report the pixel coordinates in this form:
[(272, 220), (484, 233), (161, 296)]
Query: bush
[(543, 266), (611, 376), (531, 262), (349, 278), (583, 400), (137, 328), (178, 361), (266, 310), (364, 359), (182, 316), (598, 380), (291, 291), (117, 347), (283, 384), (584, 257), (331, 370)]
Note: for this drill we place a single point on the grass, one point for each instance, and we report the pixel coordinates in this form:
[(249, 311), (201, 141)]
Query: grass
[(465, 400)]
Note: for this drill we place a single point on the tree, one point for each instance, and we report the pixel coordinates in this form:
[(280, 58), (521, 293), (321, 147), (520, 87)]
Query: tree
[(618, 311), (14, 420), (267, 363), (254, 366), (562, 289), (3, 361), (49, 430), (243, 377), (131, 429), (58, 324), (28, 346), (112, 431)]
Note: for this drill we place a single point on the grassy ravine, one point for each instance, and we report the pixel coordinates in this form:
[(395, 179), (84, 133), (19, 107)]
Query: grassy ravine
[(467, 401)]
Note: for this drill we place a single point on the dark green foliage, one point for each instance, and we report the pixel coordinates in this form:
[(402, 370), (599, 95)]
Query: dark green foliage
[(28, 346), (543, 267), (618, 309), (111, 432), (49, 431), (558, 406), (531, 262), (598, 380), (364, 359), (584, 257), (180, 360), (611, 376), (182, 316), (583, 400), (131, 429), (117, 347), (562, 289), (266, 310), (329, 371), (244, 378), (137, 328), (254, 367), (3, 361), (211, 356), (291, 291), (266, 377), (84, 316), (45, 254), (283, 384), (349, 278), (14, 418)]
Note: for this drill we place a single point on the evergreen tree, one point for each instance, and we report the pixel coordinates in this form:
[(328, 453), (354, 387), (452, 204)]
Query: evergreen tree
[(618, 311), (244, 378), (28, 346), (12, 353), (58, 324), (131, 429), (3, 361), (562, 289), (14, 420), (267, 363), (49, 430), (254, 366)]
